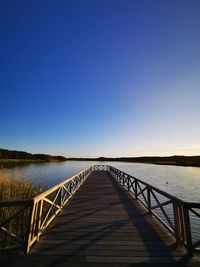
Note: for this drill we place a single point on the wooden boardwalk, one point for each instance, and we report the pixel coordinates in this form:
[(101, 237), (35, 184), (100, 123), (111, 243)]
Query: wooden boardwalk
[(102, 226)]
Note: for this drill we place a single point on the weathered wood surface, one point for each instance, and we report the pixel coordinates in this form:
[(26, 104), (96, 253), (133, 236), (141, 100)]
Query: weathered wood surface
[(101, 226)]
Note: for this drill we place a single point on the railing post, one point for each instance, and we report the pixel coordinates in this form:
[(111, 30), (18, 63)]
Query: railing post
[(29, 228), (61, 196), (39, 220), (128, 183), (136, 190), (149, 200), (179, 223), (123, 178), (187, 226), (70, 188)]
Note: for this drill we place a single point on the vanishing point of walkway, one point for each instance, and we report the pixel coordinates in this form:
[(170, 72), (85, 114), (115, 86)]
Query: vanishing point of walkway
[(102, 226)]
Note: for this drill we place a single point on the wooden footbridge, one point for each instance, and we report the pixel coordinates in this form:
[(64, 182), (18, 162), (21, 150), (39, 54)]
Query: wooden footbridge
[(112, 219)]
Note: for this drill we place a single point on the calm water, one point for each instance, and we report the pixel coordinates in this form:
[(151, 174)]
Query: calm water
[(183, 182)]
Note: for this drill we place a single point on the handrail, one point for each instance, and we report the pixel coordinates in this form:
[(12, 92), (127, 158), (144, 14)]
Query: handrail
[(177, 220), (37, 213)]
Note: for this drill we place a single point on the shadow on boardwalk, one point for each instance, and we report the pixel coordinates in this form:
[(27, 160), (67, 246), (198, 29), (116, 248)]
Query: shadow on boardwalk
[(101, 227)]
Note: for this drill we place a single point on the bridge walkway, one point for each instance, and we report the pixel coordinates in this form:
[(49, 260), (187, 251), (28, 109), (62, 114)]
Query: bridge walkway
[(102, 226)]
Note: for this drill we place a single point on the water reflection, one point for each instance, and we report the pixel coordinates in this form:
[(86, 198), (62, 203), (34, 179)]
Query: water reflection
[(183, 182)]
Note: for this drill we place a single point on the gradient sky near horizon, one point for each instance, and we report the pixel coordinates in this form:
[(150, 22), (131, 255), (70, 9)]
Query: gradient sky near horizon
[(100, 77)]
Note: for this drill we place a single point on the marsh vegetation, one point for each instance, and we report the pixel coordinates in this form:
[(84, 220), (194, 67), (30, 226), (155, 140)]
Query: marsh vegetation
[(14, 218)]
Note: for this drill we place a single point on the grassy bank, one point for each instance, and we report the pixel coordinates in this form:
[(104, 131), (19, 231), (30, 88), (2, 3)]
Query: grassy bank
[(11, 189), (15, 189), (6, 154), (10, 163)]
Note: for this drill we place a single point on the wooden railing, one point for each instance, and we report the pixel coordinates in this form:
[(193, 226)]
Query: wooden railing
[(101, 168), (176, 215), (26, 220)]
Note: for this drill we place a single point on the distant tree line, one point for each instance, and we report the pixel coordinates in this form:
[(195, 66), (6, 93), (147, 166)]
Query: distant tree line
[(171, 160), (13, 154), (175, 160)]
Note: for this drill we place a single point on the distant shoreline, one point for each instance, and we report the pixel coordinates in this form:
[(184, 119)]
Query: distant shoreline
[(17, 162), (184, 161), (13, 158)]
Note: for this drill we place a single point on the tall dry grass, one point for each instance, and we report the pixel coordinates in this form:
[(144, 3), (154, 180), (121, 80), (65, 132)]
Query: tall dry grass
[(15, 189), (12, 189)]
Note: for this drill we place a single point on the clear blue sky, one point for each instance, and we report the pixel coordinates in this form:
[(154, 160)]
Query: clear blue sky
[(100, 77)]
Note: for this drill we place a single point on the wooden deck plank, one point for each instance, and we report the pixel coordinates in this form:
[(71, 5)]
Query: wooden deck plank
[(101, 226)]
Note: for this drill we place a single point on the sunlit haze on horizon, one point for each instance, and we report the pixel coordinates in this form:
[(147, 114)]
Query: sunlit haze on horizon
[(100, 78)]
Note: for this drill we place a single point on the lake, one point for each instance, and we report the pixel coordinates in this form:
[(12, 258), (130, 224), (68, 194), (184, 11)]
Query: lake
[(183, 182)]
